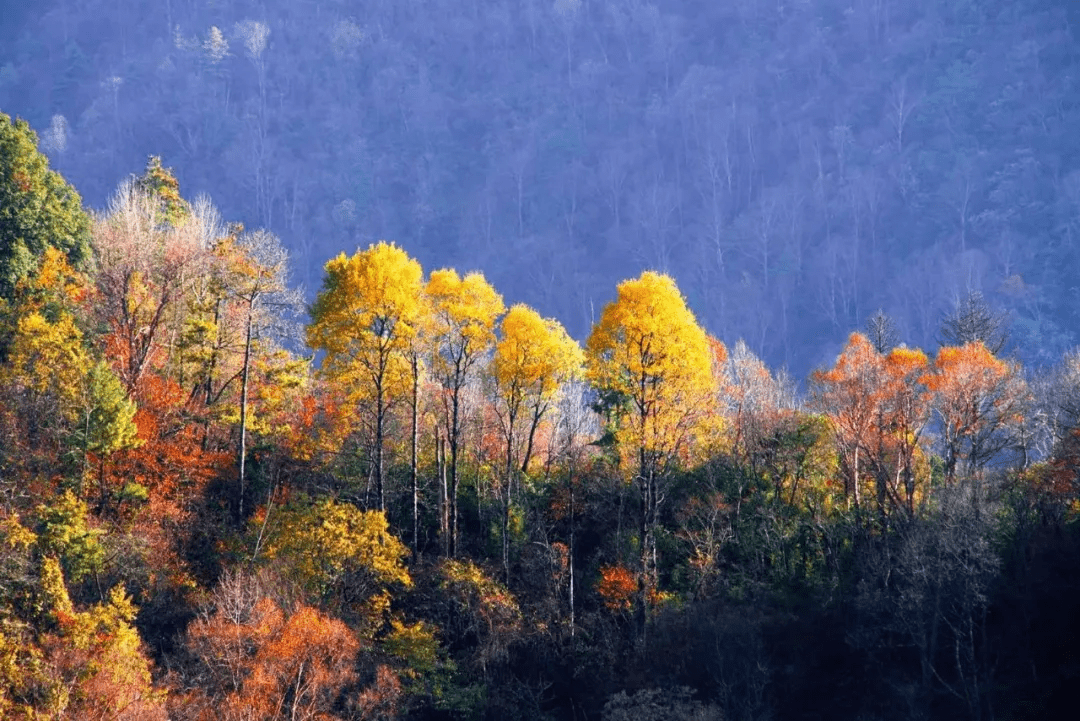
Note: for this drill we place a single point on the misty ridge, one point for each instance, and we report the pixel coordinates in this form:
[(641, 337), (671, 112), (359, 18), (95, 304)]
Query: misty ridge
[(796, 166)]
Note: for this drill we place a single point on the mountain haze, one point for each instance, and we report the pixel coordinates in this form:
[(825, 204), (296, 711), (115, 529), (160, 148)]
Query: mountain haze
[(794, 165)]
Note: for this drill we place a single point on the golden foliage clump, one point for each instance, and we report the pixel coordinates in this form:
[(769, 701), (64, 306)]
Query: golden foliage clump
[(475, 606), (96, 656), (46, 355), (340, 556), (464, 313), (534, 356), (367, 314), (467, 582), (649, 350)]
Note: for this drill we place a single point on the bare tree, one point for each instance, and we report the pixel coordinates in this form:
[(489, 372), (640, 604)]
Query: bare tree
[(576, 424), (260, 284), (145, 266), (902, 103), (972, 319), (881, 331)]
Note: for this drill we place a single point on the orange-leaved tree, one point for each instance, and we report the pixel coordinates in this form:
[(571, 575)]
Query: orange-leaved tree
[(257, 661), (848, 394), (903, 414), (879, 405), (978, 399), (616, 587)]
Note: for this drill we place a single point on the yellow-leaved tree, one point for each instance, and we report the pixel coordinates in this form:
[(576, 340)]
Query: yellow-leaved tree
[(97, 654), (341, 557), (47, 362), (534, 357), (653, 364), (56, 660), (62, 404), (464, 313), (365, 318)]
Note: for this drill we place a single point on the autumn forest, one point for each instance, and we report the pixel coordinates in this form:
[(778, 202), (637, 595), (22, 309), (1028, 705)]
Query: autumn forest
[(407, 500)]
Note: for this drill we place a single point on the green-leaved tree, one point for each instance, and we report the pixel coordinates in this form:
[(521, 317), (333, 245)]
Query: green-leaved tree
[(38, 209)]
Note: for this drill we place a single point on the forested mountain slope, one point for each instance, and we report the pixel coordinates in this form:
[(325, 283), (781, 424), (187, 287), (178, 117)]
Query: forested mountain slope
[(457, 511), (795, 165)]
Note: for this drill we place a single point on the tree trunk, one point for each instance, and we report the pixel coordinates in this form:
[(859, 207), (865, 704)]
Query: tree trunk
[(208, 387), (506, 498), (103, 500), (243, 410), (455, 431), (444, 517), (86, 452), (643, 582), (570, 552), (537, 414), (380, 419), (855, 478), (412, 459)]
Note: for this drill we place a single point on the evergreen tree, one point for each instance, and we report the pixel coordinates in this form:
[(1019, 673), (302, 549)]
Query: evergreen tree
[(38, 209)]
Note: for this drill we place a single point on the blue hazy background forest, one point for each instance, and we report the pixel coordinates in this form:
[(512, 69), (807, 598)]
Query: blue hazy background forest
[(794, 165)]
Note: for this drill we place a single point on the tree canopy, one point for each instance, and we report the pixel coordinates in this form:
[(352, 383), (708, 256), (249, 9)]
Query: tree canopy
[(38, 209)]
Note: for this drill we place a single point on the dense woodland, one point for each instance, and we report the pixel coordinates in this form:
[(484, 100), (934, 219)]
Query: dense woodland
[(407, 500), (795, 165)]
